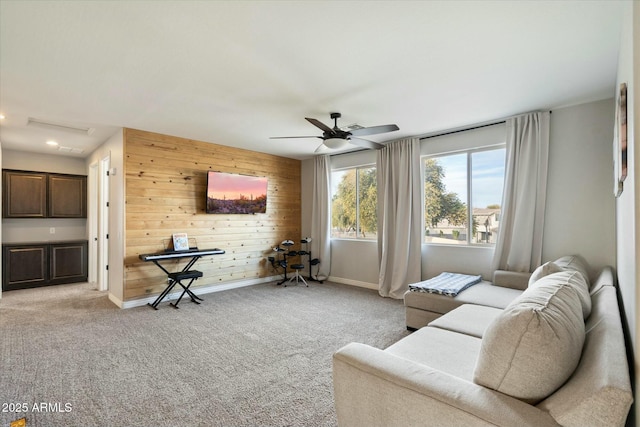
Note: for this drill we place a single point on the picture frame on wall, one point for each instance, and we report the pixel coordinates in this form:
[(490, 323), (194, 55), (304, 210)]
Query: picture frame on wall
[(620, 141)]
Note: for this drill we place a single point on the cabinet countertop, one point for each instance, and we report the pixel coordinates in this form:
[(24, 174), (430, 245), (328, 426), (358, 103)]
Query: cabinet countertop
[(44, 242)]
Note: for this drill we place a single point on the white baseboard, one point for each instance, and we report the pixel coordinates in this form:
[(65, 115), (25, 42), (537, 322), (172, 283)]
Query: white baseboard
[(200, 290), (117, 301), (351, 282)]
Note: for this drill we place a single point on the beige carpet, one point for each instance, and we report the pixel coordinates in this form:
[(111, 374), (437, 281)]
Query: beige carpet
[(255, 356)]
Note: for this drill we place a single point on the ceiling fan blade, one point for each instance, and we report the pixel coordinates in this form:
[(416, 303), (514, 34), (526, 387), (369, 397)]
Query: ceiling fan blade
[(365, 143), (294, 137), (373, 130), (319, 124)]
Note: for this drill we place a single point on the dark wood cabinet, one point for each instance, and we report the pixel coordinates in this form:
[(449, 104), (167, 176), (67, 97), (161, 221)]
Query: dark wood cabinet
[(67, 196), (68, 262), (25, 266), (40, 264), (43, 195), (25, 194)]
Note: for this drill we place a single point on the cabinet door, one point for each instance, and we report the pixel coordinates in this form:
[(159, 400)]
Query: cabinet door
[(25, 194), (25, 266), (67, 196), (68, 262)]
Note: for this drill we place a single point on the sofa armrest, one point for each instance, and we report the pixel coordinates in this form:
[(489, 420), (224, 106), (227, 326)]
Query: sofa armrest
[(375, 388), (511, 279)]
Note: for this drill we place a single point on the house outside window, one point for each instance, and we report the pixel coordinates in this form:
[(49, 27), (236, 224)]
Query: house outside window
[(462, 196), (354, 200)]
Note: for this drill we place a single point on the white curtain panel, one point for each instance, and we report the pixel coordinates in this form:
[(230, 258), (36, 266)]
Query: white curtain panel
[(519, 244), (321, 215), (399, 217)]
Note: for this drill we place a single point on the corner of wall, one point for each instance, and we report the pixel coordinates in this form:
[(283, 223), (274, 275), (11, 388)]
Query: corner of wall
[(628, 203)]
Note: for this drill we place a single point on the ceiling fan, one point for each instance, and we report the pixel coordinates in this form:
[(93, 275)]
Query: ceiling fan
[(339, 138)]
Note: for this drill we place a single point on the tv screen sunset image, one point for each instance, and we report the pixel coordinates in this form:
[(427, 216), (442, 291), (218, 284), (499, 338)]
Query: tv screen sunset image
[(229, 193)]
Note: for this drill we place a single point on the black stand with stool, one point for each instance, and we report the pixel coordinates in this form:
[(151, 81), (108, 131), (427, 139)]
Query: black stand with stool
[(178, 278), (282, 263), (312, 261), (297, 267), (185, 274)]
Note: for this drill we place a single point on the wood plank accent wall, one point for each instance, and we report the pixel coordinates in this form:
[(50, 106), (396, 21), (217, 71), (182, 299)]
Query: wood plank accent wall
[(165, 185)]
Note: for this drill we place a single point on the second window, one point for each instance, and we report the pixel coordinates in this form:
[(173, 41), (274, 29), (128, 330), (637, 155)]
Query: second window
[(462, 197)]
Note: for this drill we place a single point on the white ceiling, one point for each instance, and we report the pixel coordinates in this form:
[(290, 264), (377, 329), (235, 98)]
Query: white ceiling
[(236, 73)]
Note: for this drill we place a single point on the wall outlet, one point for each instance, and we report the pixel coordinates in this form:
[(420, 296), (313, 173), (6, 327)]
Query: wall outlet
[(52, 230)]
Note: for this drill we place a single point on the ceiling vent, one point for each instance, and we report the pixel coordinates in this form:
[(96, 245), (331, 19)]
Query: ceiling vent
[(70, 150), (64, 127)]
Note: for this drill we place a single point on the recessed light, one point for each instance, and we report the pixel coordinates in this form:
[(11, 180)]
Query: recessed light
[(2, 116), (52, 143)]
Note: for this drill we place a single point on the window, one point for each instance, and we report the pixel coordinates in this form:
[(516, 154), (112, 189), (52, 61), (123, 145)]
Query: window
[(462, 196), (354, 198)]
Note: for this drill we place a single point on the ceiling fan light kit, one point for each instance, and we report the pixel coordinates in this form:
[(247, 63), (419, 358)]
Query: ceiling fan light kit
[(336, 143), (336, 138)]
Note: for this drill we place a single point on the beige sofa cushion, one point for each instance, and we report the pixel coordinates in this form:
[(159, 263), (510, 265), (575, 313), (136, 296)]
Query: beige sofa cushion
[(511, 279), (445, 351), (599, 391), (534, 345), (484, 293), (577, 281), (468, 319), (606, 277), (544, 270), (575, 263)]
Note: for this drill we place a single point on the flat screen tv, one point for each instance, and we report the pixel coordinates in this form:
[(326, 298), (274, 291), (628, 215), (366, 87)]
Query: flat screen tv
[(230, 193)]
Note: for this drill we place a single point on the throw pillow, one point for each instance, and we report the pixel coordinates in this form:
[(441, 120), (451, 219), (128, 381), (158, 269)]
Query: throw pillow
[(535, 344), (544, 270), (574, 263), (576, 280)]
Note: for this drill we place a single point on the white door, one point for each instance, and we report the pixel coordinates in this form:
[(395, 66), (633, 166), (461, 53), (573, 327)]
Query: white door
[(93, 215), (103, 225)]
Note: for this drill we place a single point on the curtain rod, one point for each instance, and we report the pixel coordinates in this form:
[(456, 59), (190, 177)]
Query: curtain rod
[(433, 135), (443, 133), (348, 152), (461, 130), (470, 127)]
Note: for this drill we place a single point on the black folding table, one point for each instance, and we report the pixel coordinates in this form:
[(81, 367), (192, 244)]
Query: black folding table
[(186, 273)]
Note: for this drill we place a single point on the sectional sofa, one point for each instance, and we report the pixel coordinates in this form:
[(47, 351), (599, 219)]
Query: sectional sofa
[(421, 308), (552, 356)]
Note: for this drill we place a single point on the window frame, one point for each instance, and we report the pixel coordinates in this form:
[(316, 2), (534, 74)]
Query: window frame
[(358, 237), (469, 188)]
